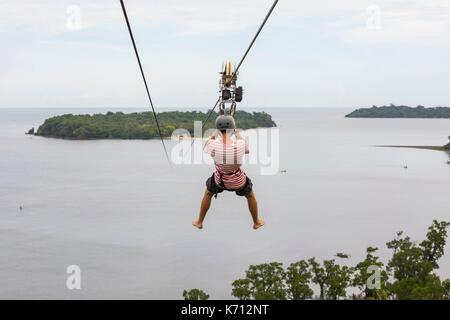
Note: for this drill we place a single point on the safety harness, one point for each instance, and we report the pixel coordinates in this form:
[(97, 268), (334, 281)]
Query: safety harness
[(221, 186)]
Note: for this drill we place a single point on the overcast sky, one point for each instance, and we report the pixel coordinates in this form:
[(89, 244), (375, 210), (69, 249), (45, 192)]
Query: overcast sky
[(322, 53)]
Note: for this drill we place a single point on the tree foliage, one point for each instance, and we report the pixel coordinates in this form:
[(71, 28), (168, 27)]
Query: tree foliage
[(408, 275), (262, 282), (363, 277), (413, 264), (195, 294), (298, 277), (332, 279)]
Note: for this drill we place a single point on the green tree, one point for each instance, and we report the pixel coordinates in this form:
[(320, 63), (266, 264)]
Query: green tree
[(413, 264), (319, 277), (363, 273), (332, 279), (241, 289), (298, 278), (446, 286), (195, 294), (262, 282), (434, 244), (338, 279)]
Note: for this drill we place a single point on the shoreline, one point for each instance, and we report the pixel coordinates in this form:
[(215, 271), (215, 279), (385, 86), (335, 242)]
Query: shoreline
[(169, 138), (435, 148)]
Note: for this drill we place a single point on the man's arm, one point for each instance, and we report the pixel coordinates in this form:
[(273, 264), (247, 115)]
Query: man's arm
[(212, 137), (238, 136)]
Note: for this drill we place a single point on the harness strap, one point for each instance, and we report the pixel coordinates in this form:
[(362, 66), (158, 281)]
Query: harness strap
[(221, 183)]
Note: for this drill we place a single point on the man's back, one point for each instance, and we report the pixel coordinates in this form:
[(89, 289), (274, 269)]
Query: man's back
[(228, 158)]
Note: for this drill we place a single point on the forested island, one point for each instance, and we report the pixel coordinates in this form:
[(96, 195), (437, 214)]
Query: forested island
[(393, 111), (139, 125)]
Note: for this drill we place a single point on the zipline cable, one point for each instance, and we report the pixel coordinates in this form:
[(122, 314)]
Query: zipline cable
[(143, 77), (256, 36), (247, 51)]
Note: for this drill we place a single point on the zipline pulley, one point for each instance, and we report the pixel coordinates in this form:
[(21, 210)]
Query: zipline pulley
[(230, 93)]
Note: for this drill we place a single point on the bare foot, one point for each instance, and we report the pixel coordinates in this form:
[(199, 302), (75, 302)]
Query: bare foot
[(258, 224), (197, 224)]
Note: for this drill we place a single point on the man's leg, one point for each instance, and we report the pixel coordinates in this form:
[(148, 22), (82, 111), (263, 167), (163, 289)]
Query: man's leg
[(253, 207), (206, 203)]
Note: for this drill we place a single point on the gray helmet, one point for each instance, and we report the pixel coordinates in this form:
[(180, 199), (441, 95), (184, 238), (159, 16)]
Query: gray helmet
[(224, 122)]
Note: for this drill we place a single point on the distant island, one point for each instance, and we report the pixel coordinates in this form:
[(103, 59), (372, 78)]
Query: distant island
[(393, 111), (139, 125)]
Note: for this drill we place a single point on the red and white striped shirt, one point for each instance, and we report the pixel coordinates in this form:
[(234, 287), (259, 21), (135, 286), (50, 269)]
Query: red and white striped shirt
[(228, 159)]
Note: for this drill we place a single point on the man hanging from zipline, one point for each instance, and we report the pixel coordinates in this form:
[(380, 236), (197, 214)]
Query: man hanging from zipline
[(230, 145), (228, 151)]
